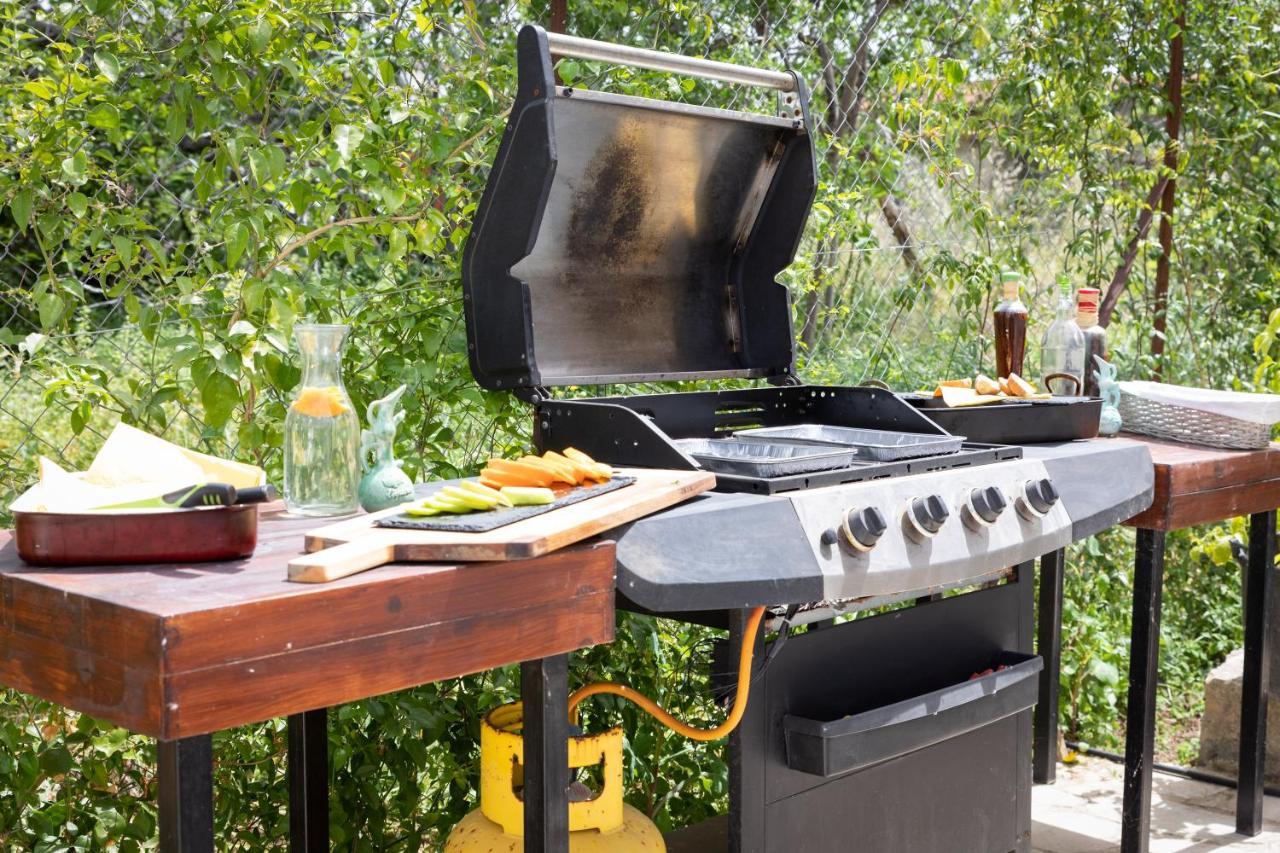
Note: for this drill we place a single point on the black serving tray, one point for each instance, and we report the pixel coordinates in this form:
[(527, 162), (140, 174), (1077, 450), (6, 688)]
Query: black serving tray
[(831, 747), (1020, 422)]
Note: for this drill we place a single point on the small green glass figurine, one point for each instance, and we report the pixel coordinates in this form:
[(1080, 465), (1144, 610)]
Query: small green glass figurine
[(1109, 390), (384, 485)]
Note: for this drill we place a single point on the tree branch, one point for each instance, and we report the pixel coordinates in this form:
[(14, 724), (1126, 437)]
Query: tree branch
[(1120, 280)]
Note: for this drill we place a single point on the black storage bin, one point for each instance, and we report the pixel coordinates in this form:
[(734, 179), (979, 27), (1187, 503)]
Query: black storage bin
[(831, 747)]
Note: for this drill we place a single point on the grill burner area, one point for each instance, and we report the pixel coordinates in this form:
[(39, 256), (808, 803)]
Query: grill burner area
[(762, 458)]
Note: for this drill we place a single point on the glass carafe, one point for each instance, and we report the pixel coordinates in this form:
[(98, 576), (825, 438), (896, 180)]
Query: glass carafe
[(321, 430)]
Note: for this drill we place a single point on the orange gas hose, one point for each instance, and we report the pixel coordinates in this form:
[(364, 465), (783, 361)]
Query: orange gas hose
[(661, 715)]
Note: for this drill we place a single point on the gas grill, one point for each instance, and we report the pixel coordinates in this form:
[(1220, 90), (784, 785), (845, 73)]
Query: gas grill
[(625, 240)]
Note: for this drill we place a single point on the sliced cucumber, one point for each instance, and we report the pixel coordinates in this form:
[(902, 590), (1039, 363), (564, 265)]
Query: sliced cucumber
[(484, 491), (528, 495), (446, 504), (469, 498)]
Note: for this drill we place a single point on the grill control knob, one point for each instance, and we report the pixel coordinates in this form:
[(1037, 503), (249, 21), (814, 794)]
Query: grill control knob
[(1039, 496), (925, 516), (984, 507), (862, 528), (829, 537)]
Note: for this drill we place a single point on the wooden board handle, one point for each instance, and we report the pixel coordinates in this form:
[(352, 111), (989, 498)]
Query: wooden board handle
[(340, 561)]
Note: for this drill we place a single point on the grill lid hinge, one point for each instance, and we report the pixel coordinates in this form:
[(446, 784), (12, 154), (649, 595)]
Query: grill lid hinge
[(533, 393)]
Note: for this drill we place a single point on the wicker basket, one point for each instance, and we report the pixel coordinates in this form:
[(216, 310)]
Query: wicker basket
[(1179, 423)]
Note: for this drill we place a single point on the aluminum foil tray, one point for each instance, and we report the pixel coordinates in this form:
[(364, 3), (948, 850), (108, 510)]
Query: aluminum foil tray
[(766, 457), (867, 444)]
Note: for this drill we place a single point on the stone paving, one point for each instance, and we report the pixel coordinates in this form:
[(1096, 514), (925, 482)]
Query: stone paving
[(1080, 813)]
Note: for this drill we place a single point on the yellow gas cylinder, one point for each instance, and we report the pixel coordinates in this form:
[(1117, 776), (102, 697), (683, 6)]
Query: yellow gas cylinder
[(601, 824)]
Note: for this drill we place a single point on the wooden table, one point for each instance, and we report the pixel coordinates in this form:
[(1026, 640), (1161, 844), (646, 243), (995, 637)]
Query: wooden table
[(1193, 485), (180, 651)]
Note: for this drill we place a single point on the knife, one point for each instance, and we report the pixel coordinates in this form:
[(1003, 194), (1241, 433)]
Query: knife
[(199, 494)]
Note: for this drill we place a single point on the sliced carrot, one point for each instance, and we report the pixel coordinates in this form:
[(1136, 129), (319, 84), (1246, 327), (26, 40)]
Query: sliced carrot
[(505, 478), (578, 456), (562, 473), (580, 471), (533, 475)]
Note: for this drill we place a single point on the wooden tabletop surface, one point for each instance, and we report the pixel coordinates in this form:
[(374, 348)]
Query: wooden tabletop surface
[(1199, 485), (178, 650)]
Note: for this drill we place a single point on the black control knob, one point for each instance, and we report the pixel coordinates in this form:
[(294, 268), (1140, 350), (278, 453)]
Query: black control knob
[(829, 537), (863, 527), (1039, 496), (927, 515), (987, 505)]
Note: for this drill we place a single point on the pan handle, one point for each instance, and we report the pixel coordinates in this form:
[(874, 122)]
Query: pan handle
[(1075, 380), (674, 63)]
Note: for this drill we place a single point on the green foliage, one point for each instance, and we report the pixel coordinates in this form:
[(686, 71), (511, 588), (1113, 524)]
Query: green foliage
[(180, 183)]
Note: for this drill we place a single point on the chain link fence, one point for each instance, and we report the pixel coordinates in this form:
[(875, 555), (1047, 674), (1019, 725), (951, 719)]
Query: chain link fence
[(919, 205)]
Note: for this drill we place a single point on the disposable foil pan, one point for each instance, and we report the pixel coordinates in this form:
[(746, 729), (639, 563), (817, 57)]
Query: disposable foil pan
[(765, 457), (867, 444)]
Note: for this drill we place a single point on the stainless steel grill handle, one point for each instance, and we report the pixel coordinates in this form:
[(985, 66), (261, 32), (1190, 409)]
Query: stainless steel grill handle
[(674, 63)]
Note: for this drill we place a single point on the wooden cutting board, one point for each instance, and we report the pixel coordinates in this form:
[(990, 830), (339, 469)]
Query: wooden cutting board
[(356, 545)]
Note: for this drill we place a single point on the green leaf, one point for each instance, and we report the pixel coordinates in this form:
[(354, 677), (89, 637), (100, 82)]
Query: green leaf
[(78, 204), (104, 116), (1104, 672), (49, 306), (219, 394), (42, 89), (956, 71), (125, 249), (20, 206), (348, 138), (175, 123), (392, 198), (237, 237), (107, 64), (259, 33), (74, 167), (299, 196)]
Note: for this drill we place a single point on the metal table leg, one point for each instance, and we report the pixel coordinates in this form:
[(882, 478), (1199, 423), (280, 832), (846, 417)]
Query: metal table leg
[(1144, 660), (1049, 647), (185, 779), (1253, 700), (746, 788), (544, 689), (309, 781)]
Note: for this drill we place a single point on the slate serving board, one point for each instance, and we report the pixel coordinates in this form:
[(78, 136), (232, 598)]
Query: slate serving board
[(479, 522)]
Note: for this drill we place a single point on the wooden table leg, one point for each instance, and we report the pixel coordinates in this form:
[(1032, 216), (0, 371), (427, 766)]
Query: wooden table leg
[(185, 780), (1144, 664), (1049, 647), (544, 689), (309, 781), (1253, 699)]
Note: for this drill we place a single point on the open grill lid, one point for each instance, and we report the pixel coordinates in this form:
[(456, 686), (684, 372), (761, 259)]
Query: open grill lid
[(622, 239)]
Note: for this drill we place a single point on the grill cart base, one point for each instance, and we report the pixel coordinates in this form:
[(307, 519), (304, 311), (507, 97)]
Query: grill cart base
[(872, 730)]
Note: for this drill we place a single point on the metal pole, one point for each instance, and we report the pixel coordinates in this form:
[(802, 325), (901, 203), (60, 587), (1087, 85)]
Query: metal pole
[(185, 781), (1257, 654), (1144, 663), (309, 781), (544, 689), (1049, 647)]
